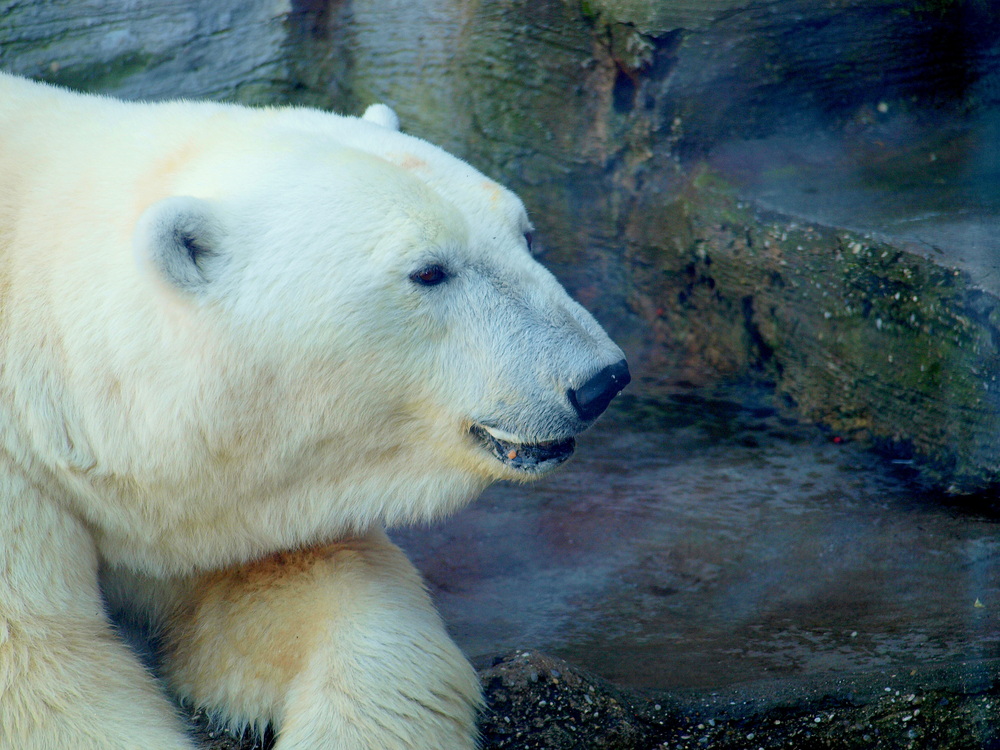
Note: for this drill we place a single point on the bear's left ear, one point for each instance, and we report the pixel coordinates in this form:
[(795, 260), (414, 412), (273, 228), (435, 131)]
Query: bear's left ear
[(180, 238), (383, 115)]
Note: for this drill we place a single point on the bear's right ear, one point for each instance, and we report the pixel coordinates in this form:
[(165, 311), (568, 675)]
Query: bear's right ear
[(382, 114), (180, 239)]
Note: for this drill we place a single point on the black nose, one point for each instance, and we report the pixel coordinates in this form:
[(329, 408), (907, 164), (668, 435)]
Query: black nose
[(592, 398)]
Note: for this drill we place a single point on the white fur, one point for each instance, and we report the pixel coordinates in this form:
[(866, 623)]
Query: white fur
[(212, 352), (382, 115)]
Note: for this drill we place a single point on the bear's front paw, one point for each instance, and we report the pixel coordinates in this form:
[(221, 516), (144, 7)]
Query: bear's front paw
[(338, 647), (389, 698)]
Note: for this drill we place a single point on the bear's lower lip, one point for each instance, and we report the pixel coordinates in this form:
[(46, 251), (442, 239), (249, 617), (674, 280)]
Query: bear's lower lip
[(529, 458)]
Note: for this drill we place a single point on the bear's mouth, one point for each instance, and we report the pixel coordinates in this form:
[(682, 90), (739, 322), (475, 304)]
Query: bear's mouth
[(529, 458)]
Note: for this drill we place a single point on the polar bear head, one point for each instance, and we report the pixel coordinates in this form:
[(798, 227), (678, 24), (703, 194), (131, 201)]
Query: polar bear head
[(339, 324)]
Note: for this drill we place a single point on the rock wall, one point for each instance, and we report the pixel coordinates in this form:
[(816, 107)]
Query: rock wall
[(152, 49)]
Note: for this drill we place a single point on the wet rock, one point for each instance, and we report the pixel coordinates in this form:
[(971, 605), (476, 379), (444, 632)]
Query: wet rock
[(883, 339)]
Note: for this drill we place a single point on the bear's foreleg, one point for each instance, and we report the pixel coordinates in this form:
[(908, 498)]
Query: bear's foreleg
[(338, 647), (66, 681)]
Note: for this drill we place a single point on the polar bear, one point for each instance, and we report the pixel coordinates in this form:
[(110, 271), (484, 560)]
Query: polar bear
[(236, 345)]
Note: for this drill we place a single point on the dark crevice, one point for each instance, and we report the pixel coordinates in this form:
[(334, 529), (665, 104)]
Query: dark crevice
[(761, 354)]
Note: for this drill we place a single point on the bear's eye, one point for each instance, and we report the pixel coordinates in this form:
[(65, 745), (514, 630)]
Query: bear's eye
[(429, 276), (528, 238)]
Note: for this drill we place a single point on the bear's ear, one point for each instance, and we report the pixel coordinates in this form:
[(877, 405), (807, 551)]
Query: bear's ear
[(180, 239), (383, 115)]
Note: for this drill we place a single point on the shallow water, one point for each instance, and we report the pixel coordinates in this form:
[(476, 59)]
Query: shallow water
[(710, 542)]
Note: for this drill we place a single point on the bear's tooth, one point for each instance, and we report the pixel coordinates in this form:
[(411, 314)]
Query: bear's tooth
[(503, 435)]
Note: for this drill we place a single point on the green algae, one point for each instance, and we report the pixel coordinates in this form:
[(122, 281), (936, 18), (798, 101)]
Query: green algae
[(99, 76)]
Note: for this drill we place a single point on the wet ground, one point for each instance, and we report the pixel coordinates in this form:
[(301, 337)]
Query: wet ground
[(708, 543)]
